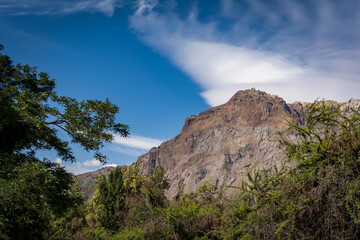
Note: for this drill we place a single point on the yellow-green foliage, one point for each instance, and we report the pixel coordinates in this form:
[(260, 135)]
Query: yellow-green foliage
[(129, 234)]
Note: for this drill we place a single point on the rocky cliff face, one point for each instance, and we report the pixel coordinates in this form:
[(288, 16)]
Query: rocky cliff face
[(222, 143)]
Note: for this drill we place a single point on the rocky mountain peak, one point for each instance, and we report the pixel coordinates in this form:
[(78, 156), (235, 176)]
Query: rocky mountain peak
[(220, 144), (247, 107), (253, 94)]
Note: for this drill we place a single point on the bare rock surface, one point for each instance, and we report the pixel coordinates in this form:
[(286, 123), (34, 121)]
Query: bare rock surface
[(220, 144)]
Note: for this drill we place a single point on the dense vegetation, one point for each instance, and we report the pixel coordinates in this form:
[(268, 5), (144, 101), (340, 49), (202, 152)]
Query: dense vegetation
[(313, 194)]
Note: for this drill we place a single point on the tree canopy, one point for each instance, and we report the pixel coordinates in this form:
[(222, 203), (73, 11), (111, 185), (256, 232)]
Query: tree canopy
[(32, 114), (33, 191)]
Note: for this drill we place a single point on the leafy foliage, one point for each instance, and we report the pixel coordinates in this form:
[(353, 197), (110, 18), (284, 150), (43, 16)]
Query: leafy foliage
[(29, 202), (126, 197), (70, 224), (32, 114), (35, 194), (111, 198)]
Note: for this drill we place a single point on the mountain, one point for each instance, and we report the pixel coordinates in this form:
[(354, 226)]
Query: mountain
[(87, 181), (220, 144)]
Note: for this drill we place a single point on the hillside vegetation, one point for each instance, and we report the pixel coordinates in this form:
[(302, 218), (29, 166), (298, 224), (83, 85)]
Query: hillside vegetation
[(88, 180), (314, 194)]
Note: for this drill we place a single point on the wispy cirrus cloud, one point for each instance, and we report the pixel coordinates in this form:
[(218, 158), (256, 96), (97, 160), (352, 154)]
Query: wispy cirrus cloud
[(135, 152), (300, 50), (134, 145), (56, 7), (137, 142)]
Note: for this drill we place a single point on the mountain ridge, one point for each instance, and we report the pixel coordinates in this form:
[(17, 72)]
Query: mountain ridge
[(220, 144)]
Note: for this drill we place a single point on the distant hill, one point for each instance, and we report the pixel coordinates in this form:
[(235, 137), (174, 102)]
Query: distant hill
[(87, 181)]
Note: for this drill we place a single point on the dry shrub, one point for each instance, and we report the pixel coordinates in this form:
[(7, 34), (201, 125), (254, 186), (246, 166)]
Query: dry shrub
[(156, 228)]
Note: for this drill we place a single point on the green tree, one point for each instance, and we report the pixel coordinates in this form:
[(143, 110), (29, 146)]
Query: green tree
[(71, 225), (108, 207), (32, 115), (112, 199), (39, 193), (128, 201)]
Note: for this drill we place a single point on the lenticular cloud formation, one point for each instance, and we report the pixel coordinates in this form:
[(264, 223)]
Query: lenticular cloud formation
[(298, 50), (219, 66)]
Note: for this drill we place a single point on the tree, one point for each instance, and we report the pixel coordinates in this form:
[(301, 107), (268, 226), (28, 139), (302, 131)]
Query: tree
[(109, 199), (127, 200), (32, 115), (28, 203)]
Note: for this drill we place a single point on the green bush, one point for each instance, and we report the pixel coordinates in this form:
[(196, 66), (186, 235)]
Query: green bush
[(129, 234), (97, 234)]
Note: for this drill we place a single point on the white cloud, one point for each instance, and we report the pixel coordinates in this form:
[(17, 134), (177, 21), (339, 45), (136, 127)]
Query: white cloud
[(107, 7), (77, 168), (144, 6), (137, 142), (306, 55), (134, 145), (80, 167), (109, 165), (58, 160), (208, 62), (92, 163), (104, 6), (44, 7), (128, 151)]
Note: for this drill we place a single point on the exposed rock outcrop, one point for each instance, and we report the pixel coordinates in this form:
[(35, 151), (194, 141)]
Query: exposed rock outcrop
[(221, 143)]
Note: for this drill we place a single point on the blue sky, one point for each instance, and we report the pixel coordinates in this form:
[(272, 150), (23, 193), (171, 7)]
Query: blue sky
[(161, 61)]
